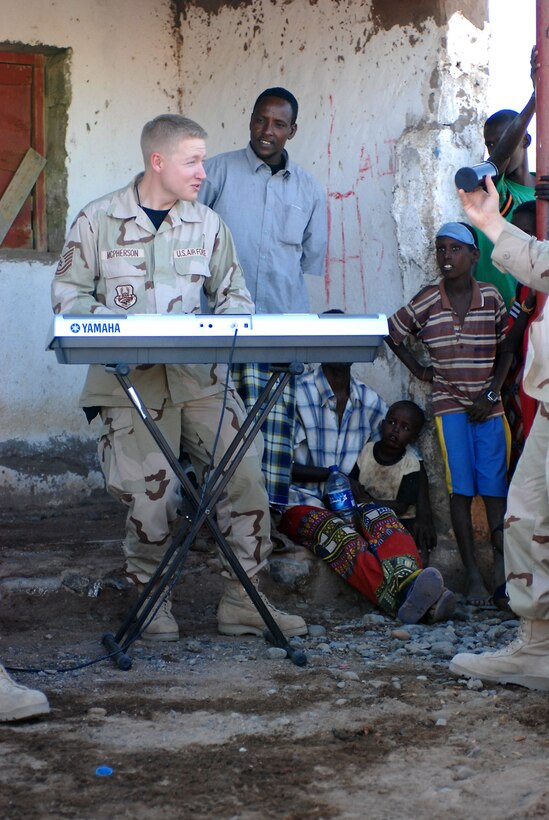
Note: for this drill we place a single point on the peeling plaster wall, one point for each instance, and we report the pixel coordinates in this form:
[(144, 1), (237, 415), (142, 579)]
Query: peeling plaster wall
[(382, 105), (123, 70), (391, 102), (392, 98)]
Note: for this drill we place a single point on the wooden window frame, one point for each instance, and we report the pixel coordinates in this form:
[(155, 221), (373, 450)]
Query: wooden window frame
[(38, 140)]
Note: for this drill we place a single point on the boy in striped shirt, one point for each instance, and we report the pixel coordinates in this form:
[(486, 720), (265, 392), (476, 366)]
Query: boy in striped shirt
[(462, 324)]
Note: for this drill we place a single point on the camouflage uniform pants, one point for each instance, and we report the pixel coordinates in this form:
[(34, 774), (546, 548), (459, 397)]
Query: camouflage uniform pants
[(138, 474), (526, 533)]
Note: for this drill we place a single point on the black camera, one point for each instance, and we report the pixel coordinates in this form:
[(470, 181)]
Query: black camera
[(470, 178)]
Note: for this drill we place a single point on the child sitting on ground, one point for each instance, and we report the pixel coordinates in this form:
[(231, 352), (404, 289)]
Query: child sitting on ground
[(378, 555), (390, 474)]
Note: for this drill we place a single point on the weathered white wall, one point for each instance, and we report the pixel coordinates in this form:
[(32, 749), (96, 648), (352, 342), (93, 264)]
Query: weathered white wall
[(391, 99), (123, 71)]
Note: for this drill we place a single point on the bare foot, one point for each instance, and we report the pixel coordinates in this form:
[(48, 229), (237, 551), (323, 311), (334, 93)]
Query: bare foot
[(477, 594)]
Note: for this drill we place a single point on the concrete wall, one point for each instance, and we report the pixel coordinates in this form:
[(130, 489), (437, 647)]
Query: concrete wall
[(391, 100), (122, 70)]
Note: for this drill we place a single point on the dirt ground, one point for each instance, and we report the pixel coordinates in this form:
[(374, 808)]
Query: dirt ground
[(211, 727)]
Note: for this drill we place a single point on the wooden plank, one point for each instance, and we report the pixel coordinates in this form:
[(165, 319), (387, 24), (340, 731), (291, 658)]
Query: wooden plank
[(39, 145), (19, 188), (18, 57)]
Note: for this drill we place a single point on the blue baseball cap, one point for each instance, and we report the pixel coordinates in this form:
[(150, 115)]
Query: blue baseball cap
[(455, 230)]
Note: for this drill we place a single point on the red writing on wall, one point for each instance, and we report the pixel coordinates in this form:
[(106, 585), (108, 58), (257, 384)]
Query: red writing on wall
[(346, 240)]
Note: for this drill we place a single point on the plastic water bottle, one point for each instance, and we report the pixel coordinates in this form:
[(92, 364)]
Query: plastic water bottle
[(340, 495)]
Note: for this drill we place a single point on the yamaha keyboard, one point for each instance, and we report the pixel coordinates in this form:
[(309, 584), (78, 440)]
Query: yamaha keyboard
[(192, 338)]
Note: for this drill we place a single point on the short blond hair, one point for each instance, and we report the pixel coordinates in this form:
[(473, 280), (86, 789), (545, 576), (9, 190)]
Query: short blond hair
[(165, 130)]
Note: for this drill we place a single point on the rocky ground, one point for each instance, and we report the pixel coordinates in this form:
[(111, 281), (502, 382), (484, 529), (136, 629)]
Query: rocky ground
[(373, 726)]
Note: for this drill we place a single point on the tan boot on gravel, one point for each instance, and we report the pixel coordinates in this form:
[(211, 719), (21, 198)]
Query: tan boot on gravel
[(236, 614), (18, 702), (163, 626), (525, 662)]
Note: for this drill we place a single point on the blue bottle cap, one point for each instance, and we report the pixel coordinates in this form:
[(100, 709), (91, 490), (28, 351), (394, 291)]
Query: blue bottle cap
[(103, 771)]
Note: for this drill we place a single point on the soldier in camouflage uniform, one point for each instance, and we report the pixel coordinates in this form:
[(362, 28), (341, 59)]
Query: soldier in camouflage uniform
[(525, 661), (151, 248)]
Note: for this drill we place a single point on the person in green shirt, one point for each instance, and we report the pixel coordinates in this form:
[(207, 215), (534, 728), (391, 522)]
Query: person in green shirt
[(507, 140)]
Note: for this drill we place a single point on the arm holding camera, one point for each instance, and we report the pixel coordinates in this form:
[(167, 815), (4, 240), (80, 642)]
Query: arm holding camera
[(525, 257)]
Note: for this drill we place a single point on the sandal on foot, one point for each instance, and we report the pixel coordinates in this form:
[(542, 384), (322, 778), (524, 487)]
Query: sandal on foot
[(425, 590), (443, 609)]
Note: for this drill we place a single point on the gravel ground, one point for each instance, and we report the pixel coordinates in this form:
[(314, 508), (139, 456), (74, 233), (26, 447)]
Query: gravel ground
[(373, 726)]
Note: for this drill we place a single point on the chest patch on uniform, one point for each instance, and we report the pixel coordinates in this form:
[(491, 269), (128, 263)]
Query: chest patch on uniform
[(123, 253), (183, 252), (65, 262), (125, 296)]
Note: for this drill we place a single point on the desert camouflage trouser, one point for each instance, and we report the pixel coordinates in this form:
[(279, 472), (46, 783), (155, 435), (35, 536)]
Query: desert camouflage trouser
[(526, 533), (138, 474)]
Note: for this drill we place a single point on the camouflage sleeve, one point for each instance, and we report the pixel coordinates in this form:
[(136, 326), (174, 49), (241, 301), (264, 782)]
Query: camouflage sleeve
[(226, 288), (526, 257), (74, 285)]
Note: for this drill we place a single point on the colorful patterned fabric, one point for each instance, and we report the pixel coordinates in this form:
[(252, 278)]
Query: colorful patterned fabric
[(379, 558), (520, 408), (320, 440), (462, 355), (277, 429)]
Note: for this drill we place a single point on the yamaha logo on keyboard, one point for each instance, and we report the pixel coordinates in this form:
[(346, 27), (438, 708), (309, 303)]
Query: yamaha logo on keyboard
[(95, 327)]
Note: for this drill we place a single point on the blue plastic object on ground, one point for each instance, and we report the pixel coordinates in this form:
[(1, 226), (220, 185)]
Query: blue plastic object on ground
[(103, 771)]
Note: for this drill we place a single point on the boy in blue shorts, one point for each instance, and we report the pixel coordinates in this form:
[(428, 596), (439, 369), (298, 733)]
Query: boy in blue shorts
[(462, 324)]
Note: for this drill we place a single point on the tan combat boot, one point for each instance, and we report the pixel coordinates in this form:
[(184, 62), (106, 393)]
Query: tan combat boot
[(236, 614), (18, 702), (163, 626), (524, 662)]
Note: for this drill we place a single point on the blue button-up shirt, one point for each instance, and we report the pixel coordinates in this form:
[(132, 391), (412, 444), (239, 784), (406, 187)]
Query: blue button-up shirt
[(320, 440), (278, 222)]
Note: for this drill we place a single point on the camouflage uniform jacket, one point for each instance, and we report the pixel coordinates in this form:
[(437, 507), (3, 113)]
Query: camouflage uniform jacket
[(528, 260), (115, 262)]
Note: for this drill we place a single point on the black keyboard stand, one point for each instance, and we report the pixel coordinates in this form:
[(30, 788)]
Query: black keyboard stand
[(198, 508)]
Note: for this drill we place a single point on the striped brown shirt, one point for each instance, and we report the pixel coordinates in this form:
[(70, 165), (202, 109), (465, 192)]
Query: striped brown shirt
[(462, 355)]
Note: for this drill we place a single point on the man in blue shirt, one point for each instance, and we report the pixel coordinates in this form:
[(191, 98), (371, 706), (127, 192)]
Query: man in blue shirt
[(275, 210), (277, 215)]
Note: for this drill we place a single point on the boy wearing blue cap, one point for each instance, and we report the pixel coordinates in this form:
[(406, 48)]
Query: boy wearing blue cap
[(462, 324)]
